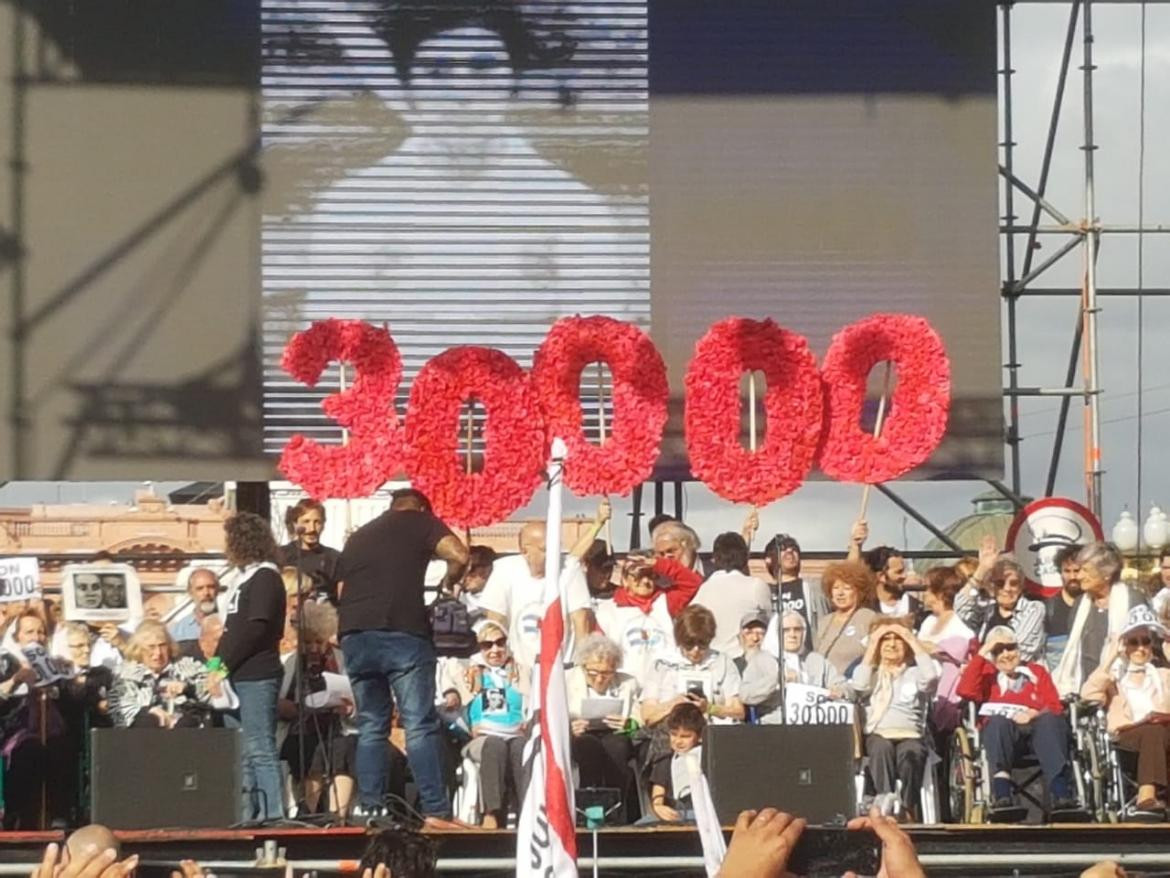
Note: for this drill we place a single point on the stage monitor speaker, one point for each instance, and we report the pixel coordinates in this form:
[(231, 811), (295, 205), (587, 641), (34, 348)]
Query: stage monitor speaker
[(156, 778), (804, 770)]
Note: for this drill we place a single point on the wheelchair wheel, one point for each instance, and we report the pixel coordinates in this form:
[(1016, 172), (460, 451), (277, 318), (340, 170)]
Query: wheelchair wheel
[(961, 774), (1090, 761)]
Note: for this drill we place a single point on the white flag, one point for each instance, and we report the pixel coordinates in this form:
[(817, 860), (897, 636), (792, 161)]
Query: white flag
[(546, 838)]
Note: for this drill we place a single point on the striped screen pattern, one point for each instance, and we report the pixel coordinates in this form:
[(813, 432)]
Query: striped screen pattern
[(461, 184)]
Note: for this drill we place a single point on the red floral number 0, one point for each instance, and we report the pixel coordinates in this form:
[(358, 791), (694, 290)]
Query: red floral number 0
[(640, 395), (514, 457), (792, 404)]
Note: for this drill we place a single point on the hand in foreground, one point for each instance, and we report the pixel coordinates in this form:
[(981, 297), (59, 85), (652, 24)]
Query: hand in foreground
[(91, 863), (761, 844), (379, 871), (899, 859), (190, 869)]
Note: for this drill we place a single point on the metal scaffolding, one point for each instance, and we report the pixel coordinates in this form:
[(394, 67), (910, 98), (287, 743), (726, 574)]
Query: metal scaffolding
[(1083, 236)]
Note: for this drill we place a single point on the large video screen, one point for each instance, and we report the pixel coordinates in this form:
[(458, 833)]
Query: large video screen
[(469, 171)]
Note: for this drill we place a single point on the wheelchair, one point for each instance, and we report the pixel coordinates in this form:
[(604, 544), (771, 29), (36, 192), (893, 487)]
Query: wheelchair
[(1118, 768), (968, 774)]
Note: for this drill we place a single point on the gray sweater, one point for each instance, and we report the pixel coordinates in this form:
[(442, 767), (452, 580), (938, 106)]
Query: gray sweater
[(913, 690)]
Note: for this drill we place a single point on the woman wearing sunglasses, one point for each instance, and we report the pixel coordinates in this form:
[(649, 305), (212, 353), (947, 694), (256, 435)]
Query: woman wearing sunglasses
[(495, 712), (1019, 712), (1136, 695)]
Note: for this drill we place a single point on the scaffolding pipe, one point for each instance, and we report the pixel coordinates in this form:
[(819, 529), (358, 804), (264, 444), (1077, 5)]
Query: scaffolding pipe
[(1070, 378), (1053, 123), (1091, 370), (1013, 364)]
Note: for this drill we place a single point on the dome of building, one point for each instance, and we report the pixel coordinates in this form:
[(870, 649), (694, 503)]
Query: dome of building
[(992, 515)]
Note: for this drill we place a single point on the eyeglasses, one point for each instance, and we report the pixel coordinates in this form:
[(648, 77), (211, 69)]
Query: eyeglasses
[(1139, 641), (1004, 647), (793, 630), (594, 673), (501, 642)]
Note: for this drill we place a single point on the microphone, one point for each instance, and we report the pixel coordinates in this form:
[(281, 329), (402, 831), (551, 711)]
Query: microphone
[(301, 530)]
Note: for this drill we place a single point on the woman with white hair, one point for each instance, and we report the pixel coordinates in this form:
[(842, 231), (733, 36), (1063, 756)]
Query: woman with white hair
[(601, 702), (1098, 616), (1136, 695), (156, 687), (801, 664)]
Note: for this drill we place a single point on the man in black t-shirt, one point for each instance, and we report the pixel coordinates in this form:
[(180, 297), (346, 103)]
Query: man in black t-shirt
[(791, 593), (386, 640), (317, 563)]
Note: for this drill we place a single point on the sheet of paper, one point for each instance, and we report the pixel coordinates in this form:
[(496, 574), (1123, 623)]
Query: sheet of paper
[(337, 691), (600, 708)]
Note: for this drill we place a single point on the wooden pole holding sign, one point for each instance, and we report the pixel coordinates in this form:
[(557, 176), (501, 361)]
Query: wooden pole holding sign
[(877, 431), (469, 437), (601, 434), (345, 441), (752, 444)]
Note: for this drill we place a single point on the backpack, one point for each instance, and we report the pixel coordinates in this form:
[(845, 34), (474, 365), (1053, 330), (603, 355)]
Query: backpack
[(451, 628)]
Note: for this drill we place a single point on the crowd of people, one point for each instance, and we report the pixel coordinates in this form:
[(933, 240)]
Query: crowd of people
[(356, 689)]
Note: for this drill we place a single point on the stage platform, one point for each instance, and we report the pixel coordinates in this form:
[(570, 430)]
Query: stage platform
[(945, 850)]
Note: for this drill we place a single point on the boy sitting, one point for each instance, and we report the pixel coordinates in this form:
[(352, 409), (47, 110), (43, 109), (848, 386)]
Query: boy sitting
[(670, 777)]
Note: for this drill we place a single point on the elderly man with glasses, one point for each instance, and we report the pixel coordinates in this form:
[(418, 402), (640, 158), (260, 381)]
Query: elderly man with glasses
[(1020, 712)]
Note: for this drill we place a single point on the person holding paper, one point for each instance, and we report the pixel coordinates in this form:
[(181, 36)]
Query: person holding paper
[(1020, 711), (601, 702), (496, 714), (1136, 695), (31, 697), (328, 731)]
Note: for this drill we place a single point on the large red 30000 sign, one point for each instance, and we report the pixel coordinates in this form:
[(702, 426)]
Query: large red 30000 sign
[(811, 415)]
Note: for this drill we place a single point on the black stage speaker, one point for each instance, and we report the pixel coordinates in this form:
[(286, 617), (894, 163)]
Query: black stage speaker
[(804, 770), (156, 778)]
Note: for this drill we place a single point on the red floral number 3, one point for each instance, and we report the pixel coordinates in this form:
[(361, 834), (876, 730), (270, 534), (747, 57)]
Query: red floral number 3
[(366, 409)]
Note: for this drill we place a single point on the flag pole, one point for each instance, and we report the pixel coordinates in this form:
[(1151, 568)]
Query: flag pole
[(546, 836)]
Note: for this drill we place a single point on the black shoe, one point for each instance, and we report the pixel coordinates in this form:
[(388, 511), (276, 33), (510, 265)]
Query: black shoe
[(1005, 810), (1066, 804)]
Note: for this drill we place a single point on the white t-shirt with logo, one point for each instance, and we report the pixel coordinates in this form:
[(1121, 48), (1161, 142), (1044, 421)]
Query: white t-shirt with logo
[(518, 596)]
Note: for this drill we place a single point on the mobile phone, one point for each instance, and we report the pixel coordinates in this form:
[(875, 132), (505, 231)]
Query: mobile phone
[(827, 850), (696, 689)]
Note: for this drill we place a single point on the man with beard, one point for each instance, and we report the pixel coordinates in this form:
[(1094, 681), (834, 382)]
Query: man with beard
[(1058, 608), (202, 588)]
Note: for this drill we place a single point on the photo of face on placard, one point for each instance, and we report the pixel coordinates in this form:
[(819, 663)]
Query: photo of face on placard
[(101, 593)]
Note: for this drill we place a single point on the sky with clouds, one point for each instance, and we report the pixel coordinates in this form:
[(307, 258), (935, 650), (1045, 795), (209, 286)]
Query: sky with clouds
[(820, 513)]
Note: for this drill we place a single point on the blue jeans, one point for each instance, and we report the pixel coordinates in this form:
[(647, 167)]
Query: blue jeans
[(378, 662), (263, 790)]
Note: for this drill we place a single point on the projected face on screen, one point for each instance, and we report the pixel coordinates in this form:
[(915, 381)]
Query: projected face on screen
[(492, 166)]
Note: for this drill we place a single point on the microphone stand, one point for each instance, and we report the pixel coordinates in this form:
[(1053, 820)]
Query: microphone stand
[(780, 635), (299, 668)]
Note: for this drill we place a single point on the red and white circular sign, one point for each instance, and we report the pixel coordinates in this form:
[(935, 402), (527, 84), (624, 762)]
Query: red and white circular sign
[(1043, 528)]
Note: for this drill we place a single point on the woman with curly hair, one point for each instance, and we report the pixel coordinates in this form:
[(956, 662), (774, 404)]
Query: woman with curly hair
[(849, 587), (249, 653)]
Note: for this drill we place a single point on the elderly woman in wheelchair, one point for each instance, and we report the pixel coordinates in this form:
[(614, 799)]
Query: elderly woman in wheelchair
[(1136, 696), (1020, 712), (897, 679)]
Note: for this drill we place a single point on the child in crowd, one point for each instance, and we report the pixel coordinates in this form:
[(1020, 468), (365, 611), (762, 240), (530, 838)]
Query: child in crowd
[(670, 777)]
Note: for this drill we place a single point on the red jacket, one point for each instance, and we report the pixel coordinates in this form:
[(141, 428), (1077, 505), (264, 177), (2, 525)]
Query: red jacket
[(978, 684), (684, 585)]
